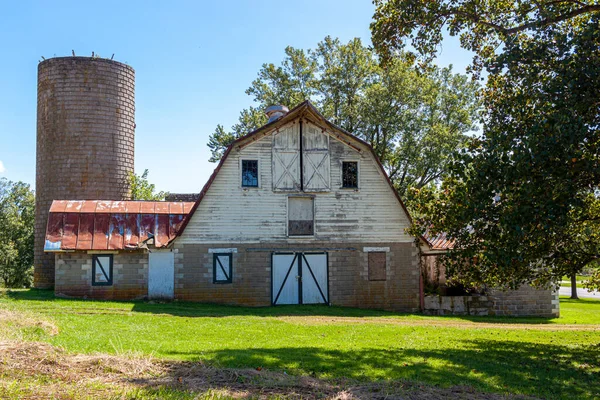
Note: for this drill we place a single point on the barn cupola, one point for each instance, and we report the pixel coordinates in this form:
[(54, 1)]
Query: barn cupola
[(276, 112)]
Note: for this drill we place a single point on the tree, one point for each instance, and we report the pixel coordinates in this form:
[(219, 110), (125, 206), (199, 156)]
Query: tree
[(522, 202), (141, 189), (17, 215), (484, 26), (411, 118)]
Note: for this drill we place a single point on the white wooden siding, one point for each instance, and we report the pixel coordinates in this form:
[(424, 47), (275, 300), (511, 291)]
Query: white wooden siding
[(230, 214)]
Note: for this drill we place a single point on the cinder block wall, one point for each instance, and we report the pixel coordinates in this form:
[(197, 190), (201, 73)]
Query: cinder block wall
[(349, 283), (526, 301), (74, 276), (85, 139)]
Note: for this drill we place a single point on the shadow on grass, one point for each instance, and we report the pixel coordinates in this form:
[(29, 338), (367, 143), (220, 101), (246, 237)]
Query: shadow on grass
[(542, 370), (192, 309)]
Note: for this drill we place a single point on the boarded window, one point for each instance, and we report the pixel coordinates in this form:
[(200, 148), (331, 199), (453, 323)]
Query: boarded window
[(222, 268), (102, 270), (249, 173), (301, 219), (377, 266), (350, 174)]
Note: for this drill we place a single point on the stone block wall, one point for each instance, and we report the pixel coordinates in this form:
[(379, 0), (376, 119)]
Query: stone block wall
[(526, 301), (349, 284), (85, 139), (74, 276), (458, 305)]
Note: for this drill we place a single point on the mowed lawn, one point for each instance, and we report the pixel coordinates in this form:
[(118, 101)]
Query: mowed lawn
[(549, 358)]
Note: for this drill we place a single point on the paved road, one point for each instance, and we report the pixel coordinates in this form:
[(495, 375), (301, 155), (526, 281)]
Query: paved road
[(582, 293)]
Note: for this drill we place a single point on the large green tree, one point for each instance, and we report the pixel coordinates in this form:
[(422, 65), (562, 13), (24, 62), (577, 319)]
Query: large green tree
[(412, 118), (522, 204), (17, 215)]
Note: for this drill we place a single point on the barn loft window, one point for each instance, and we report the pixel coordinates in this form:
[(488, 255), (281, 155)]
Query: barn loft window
[(377, 266), (102, 270), (301, 217), (249, 173), (222, 267), (350, 174)]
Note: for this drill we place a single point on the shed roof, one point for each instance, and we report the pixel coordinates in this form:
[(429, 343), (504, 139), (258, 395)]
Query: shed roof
[(112, 225), (439, 241)]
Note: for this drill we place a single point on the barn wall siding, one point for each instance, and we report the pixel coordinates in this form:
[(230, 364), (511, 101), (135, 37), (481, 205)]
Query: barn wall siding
[(349, 283), (73, 276), (229, 212)]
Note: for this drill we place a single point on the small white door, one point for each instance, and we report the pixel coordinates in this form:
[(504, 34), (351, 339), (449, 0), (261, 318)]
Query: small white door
[(161, 274), (314, 279), (300, 278), (285, 279)]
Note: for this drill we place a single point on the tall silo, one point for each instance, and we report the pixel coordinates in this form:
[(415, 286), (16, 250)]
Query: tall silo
[(85, 139)]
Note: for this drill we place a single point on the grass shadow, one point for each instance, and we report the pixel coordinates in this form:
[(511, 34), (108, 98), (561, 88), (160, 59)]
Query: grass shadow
[(541, 370)]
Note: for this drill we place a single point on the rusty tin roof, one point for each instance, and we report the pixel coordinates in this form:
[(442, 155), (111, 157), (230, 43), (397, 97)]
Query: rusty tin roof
[(438, 242), (112, 225)]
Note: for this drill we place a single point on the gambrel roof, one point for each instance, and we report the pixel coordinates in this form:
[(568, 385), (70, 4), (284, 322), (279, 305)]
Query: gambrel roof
[(303, 110)]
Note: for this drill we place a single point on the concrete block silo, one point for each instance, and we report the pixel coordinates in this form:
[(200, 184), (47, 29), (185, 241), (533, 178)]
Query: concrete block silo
[(85, 139)]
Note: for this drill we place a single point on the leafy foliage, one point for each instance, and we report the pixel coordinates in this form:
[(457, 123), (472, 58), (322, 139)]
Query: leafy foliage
[(412, 119), (522, 201), (17, 215), (484, 26), (141, 189)]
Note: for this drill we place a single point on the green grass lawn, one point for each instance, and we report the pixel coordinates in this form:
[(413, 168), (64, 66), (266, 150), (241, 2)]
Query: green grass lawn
[(566, 280), (550, 358)]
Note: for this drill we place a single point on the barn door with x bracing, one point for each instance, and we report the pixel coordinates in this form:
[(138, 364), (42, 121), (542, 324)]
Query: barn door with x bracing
[(299, 278)]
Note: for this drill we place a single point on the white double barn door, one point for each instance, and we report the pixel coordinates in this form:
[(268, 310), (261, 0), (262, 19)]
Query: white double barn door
[(300, 278)]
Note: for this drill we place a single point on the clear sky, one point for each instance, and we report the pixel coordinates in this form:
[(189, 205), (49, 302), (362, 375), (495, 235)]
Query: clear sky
[(193, 61)]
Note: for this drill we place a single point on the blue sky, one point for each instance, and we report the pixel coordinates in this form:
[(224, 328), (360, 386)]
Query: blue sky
[(193, 62)]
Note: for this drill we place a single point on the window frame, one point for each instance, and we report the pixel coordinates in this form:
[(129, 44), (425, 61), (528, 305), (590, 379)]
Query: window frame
[(109, 280), (357, 175), (374, 279), (242, 173), (287, 218), (215, 261)]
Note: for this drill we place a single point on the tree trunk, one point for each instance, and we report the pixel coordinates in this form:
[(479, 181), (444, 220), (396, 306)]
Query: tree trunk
[(574, 286)]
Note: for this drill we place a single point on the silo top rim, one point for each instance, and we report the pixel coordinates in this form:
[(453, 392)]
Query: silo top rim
[(85, 59)]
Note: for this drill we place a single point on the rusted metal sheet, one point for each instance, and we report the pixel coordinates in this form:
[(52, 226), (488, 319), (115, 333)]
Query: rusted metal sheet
[(71, 226), (439, 242), (86, 231), (112, 225), (101, 224)]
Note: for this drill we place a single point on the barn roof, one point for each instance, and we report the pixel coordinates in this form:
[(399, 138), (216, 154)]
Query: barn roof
[(304, 109), (112, 225)]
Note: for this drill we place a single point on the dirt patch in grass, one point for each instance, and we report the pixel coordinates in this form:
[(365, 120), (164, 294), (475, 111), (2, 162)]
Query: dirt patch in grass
[(439, 322), (32, 370), (12, 322)]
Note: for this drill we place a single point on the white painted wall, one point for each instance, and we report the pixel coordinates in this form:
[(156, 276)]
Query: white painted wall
[(232, 214)]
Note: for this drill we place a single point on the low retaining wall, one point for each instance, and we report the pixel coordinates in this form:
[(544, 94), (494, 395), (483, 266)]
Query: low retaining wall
[(526, 301), (458, 305)]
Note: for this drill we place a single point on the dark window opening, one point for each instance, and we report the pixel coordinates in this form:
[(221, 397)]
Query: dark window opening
[(301, 221), (350, 174), (222, 267), (249, 173), (377, 262), (102, 270)]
